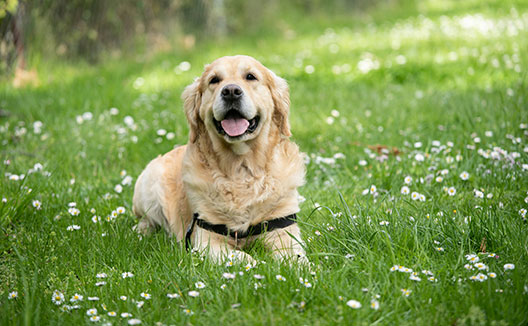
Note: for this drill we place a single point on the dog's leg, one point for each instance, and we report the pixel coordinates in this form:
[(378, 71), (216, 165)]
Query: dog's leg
[(219, 248), (286, 244)]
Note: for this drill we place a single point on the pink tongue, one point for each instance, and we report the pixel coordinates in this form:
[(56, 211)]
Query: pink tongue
[(235, 126)]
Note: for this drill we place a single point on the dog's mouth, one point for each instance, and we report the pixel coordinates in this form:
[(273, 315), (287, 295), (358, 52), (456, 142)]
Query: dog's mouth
[(235, 125)]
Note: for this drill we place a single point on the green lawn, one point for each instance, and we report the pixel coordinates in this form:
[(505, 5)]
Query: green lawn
[(429, 92)]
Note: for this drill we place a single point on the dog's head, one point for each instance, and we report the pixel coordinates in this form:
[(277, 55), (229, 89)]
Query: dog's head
[(235, 100)]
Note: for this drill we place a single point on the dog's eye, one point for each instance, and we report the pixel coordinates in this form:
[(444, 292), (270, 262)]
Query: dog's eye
[(250, 77), (214, 80)]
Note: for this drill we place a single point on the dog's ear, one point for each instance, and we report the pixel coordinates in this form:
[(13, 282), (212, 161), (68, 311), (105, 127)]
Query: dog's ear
[(281, 101), (192, 97)]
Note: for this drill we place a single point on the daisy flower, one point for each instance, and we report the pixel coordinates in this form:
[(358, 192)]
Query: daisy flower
[(96, 219), (57, 297), (118, 188), (405, 190), (229, 276), (258, 276), (439, 179), (101, 275), (123, 297), (451, 191), (353, 304), (112, 313), (91, 312), (173, 295), (199, 285), (374, 304), (492, 275), (73, 227), (100, 283), (73, 211), (415, 196), (120, 210), (394, 268), (145, 295), (76, 297), (472, 258), (432, 279), (223, 287), (280, 278), (37, 204), (127, 274), (414, 277), (94, 318), (407, 180), (406, 292), (464, 175), (188, 312), (126, 315), (481, 266), (468, 267), (134, 321), (12, 295), (440, 249), (193, 294), (508, 267), (373, 189)]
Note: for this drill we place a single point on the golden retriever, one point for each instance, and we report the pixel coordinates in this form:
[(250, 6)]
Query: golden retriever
[(239, 168)]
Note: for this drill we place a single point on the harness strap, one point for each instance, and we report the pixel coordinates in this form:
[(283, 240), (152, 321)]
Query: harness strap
[(278, 223)]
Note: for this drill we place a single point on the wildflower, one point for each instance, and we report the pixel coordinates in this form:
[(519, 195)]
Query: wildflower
[(432, 279), (353, 304), (478, 194), (91, 312), (12, 295), (492, 275), (508, 267), (140, 304), (407, 180), (405, 190), (258, 276), (199, 285), (173, 295), (415, 196), (112, 313), (439, 179), (440, 249), (120, 210), (481, 266), (96, 219), (134, 321), (373, 189), (414, 277), (73, 211), (73, 227), (229, 263), (422, 197), (57, 297), (37, 204), (394, 268), (384, 223), (419, 157), (76, 297), (118, 188), (406, 292), (193, 294), (451, 191), (229, 276), (468, 267), (100, 283), (481, 277), (101, 275), (123, 298), (374, 304), (127, 274), (126, 315), (223, 287), (280, 278), (145, 295), (248, 267), (94, 318), (305, 282), (188, 312), (464, 175)]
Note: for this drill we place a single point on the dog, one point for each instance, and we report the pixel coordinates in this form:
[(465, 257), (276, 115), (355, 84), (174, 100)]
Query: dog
[(236, 179)]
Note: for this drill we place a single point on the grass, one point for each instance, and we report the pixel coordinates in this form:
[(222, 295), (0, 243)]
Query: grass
[(436, 71)]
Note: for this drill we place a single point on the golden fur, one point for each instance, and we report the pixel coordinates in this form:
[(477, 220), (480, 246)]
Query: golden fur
[(238, 182)]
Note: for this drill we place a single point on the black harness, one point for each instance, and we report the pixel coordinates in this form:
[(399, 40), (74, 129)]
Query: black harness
[(222, 229)]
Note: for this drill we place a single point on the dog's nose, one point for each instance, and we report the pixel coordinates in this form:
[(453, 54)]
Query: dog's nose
[(232, 92)]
